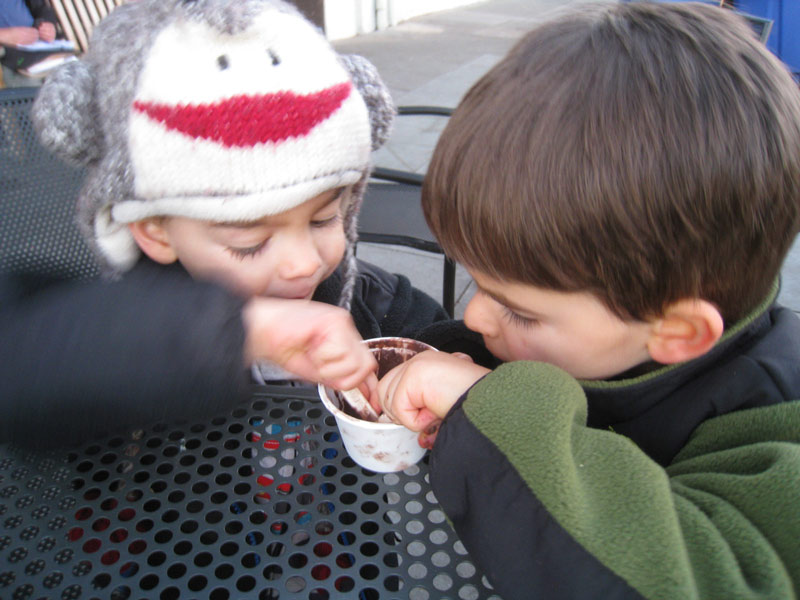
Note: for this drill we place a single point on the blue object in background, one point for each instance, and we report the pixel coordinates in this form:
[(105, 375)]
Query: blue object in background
[(785, 17), (783, 40)]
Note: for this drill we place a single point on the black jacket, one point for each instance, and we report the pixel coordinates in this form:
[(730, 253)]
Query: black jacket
[(81, 359), (677, 483), (42, 11)]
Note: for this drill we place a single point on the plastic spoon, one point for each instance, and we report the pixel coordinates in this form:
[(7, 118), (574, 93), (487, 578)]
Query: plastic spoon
[(359, 403)]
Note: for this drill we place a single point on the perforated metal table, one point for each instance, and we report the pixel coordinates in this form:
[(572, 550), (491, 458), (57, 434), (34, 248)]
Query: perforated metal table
[(262, 502)]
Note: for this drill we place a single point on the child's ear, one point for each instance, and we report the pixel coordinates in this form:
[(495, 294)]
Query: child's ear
[(688, 329), (153, 239)]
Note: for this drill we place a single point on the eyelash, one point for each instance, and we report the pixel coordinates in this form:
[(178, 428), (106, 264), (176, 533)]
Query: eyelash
[(519, 320), (327, 222), (242, 253)]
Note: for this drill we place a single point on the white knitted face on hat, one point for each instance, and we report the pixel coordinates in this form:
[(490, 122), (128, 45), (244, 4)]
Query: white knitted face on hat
[(237, 127)]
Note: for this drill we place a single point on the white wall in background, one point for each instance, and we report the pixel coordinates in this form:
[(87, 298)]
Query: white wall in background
[(347, 18)]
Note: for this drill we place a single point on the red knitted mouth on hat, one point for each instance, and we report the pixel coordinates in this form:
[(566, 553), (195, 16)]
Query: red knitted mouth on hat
[(247, 120)]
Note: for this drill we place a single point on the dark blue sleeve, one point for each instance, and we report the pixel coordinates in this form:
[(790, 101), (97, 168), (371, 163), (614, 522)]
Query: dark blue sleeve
[(82, 359)]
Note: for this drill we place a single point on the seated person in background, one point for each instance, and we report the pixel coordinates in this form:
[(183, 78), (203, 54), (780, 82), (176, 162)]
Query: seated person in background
[(227, 150), (24, 22), (623, 187)]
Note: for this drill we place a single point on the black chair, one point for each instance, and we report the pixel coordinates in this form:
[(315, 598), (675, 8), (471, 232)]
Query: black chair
[(392, 214), (38, 232)]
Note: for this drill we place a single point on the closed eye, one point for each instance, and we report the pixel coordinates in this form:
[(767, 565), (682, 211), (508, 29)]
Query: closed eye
[(518, 320), (242, 253), (327, 222)]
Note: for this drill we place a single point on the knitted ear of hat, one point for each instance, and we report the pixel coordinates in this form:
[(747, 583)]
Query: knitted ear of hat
[(219, 110)]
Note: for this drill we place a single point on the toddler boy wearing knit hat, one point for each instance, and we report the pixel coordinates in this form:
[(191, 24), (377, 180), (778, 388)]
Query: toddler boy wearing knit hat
[(225, 141)]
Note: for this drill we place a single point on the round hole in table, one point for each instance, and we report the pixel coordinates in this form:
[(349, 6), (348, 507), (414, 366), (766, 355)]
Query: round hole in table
[(203, 559), (129, 569), (278, 527), (320, 572), (369, 594), (298, 560), (251, 560), (245, 583), (254, 538), (197, 583), (344, 584), (345, 560), (275, 549), (213, 516), (257, 517), (369, 527), (143, 526), (176, 570), (182, 548), (233, 527), (229, 548), (224, 571), (295, 584), (170, 516), (238, 507), (393, 583), (300, 538), (265, 480), (369, 571), (163, 536), (318, 594), (272, 572)]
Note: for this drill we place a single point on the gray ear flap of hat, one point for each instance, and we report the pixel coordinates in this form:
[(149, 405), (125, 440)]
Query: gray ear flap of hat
[(375, 93), (64, 117)]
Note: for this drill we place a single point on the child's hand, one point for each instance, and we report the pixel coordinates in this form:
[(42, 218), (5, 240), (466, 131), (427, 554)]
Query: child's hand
[(421, 391), (46, 31), (315, 341)]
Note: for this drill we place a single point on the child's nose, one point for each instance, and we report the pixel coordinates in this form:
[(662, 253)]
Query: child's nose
[(478, 317), (301, 258)]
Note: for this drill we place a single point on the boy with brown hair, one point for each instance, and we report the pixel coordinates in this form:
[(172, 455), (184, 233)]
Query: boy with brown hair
[(623, 187)]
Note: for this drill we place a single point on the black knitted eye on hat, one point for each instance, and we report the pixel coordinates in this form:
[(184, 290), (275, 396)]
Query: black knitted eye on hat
[(220, 110)]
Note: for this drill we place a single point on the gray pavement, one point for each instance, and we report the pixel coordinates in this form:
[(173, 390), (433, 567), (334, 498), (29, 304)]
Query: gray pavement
[(433, 60)]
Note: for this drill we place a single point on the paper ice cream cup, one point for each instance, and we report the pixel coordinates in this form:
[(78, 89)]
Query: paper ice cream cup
[(379, 447)]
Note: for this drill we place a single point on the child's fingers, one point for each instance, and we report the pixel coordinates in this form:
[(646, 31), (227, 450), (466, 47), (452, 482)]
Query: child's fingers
[(345, 376), (387, 388), (427, 436), (344, 369), (402, 401), (369, 387)]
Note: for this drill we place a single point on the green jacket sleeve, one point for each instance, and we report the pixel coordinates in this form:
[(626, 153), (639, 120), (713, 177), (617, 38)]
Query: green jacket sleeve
[(551, 508)]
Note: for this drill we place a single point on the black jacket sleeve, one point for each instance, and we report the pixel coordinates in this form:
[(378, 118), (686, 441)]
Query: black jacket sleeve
[(42, 11), (82, 359)]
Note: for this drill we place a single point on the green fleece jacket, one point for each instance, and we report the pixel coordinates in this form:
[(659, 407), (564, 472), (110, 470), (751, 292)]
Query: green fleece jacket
[(684, 483)]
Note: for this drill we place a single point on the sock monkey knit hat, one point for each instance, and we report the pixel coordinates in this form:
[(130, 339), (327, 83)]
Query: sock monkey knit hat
[(218, 110)]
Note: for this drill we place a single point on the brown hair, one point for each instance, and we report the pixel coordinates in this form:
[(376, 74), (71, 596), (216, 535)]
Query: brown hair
[(644, 153)]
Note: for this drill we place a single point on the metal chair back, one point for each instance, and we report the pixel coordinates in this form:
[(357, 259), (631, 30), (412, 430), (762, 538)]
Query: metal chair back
[(38, 232)]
